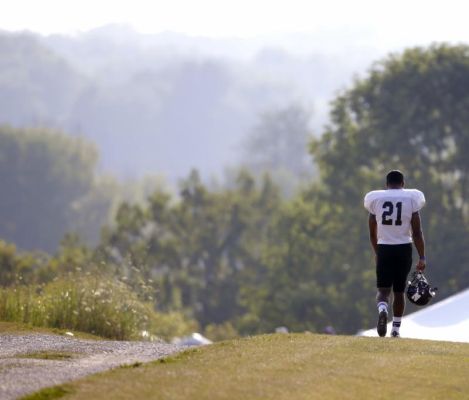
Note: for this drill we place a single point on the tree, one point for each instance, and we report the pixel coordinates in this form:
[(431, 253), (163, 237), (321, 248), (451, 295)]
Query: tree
[(410, 112), (278, 145), (46, 179), (242, 254), (314, 276), (200, 252), (18, 268)]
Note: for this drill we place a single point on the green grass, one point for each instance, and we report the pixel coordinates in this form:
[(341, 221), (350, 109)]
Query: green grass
[(56, 392), (298, 366), (19, 328), (102, 306), (98, 305)]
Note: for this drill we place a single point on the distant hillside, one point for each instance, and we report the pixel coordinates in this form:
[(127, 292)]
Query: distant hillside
[(37, 86), (162, 103)]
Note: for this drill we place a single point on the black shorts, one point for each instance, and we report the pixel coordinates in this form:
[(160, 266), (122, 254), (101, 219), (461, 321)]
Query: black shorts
[(393, 264)]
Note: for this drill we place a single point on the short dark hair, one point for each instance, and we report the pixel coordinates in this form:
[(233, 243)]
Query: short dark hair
[(395, 177)]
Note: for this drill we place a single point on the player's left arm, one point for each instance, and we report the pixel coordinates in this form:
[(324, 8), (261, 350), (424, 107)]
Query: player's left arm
[(373, 228), (419, 241)]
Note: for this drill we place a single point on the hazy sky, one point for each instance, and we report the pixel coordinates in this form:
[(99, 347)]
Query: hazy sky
[(389, 23)]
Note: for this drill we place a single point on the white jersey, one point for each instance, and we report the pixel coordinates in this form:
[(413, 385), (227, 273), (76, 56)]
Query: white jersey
[(393, 209)]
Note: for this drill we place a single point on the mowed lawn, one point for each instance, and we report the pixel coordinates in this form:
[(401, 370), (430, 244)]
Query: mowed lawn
[(296, 366)]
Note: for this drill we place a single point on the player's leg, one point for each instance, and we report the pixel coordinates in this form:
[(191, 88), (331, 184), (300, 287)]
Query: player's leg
[(398, 307), (382, 301), (382, 298), (384, 280), (400, 281), (398, 304)]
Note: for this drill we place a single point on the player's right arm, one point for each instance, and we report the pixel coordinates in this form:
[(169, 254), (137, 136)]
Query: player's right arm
[(419, 240)]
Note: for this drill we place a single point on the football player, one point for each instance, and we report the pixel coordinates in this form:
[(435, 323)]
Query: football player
[(394, 223)]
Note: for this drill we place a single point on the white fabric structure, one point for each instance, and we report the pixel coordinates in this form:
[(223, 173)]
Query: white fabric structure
[(196, 339), (446, 320)]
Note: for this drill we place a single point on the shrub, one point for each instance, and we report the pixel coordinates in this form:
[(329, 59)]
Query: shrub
[(102, 306)]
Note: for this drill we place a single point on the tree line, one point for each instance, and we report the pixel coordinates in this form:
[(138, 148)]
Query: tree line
[(244, 259)]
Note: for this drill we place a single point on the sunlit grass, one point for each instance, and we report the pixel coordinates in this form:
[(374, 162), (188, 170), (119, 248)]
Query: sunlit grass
[(100, 306), (292, 367), (20, 328), (49, 394)]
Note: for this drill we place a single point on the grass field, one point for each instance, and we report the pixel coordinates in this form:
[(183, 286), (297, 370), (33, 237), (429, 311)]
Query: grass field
[(15, 327), (298, 366)]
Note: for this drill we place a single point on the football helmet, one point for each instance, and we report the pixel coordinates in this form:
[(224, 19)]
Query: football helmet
[(419, 291)]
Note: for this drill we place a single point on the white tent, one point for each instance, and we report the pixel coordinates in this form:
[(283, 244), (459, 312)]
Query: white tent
[(196, 339), (446, 320)]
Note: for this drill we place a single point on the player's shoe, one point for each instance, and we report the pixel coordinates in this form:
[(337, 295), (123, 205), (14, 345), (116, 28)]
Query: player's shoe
[(382, 325), (395, 334)]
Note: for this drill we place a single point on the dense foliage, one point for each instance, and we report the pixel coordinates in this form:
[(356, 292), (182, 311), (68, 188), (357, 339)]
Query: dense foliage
[(102, 306), (409, 113), (277, 144), (69, 291), (244, 259), (49, 187)]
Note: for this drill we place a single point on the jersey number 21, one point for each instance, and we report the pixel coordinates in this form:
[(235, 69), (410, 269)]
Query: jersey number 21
[(388, 207)]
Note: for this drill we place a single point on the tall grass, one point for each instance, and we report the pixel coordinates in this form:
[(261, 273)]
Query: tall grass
[(102, 306)]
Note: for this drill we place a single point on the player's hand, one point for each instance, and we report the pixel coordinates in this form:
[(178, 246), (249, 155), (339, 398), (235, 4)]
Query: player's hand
[(420, 265)]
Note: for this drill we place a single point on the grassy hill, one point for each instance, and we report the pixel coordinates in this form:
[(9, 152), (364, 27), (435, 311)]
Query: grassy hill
[(298, 366)]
